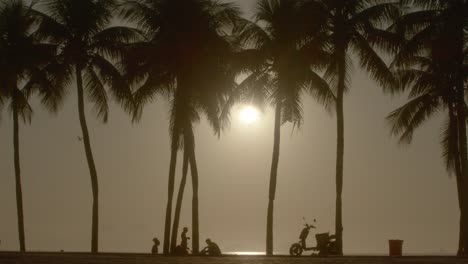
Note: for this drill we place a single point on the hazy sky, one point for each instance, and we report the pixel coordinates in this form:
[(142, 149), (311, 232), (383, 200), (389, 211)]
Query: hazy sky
[(390, 191)]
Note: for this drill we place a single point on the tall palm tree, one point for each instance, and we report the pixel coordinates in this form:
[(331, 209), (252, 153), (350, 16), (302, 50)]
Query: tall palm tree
[(185, 58), (88, 50), (432, 63), (282, 47), (23, 70), (355, 26), (431, 92)]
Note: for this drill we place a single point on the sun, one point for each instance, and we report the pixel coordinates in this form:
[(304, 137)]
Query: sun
[(249, 114)]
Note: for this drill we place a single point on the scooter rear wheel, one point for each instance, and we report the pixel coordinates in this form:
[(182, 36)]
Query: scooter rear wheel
[(295, 249)]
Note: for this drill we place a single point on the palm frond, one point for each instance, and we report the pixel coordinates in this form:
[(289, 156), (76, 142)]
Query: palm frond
[(248, 60), (449, 144), (372, 63), (20, 104), (155, 84), (144, 14), (112, 78), (50, 91), (411, 23), (406, 119), (250, 34), (407, 78), (292, 110), (414, 47), (385, 40), (377, 14), (113, 42), (320, 90), (224, 13), (96, 93), (50, 29), (332, 72), (424, 4)]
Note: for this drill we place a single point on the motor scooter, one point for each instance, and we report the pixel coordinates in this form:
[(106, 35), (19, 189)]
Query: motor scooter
[(326, 243)]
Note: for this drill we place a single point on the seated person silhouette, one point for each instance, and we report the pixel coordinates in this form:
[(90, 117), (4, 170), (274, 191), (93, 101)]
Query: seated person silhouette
[(154, 249), (212, 249), (303, 236)]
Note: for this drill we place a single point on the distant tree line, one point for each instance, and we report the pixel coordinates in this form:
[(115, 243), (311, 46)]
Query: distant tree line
[(193, 52)]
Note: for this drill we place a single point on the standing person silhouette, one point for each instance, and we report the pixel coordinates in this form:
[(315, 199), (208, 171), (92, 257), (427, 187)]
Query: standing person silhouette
[(154, 249), (185, 238)]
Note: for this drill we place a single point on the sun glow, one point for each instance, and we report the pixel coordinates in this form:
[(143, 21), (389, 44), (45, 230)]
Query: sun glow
[(249, 114), (246, 253)]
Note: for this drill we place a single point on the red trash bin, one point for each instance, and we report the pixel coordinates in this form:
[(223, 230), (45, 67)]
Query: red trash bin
[(396, 247)]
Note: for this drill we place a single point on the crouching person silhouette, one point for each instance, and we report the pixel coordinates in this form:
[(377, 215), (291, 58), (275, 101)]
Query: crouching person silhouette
[(212, 249)]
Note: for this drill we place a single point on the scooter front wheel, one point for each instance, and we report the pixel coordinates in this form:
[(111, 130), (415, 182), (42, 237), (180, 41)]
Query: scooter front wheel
[(295, 249)]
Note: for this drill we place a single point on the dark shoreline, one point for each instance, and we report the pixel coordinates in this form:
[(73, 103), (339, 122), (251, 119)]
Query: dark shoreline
[(131, 254), (8, 257)]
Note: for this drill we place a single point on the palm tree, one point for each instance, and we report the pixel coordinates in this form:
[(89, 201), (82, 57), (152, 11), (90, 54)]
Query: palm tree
[(435, 75), (186, 58), (430, 93), (355, 26), (282, 47), (88, 50), (23, 61)]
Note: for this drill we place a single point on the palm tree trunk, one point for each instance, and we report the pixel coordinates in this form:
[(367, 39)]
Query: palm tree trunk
[(170, 191), (194, 173), (19, 192), (461, 117), (461, 241), (462, 225), (90, 159), (458, 173), (180, 196), (464, 171), (340, 150), (273, 176)]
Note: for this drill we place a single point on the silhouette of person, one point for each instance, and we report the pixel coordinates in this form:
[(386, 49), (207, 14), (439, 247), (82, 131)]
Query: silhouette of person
[(154, 249), (304, 234), (185, 238), (212, 249)]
